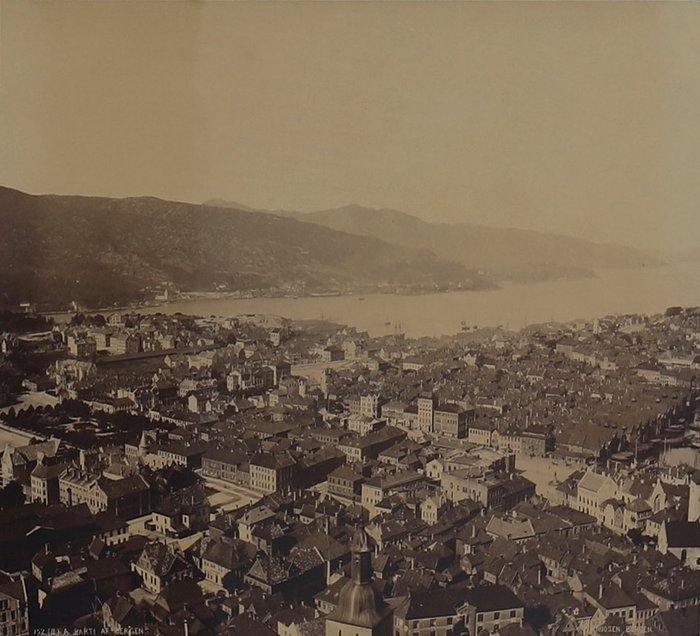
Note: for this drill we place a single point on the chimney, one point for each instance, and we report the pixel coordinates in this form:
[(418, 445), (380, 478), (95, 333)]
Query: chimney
[(600, 590)]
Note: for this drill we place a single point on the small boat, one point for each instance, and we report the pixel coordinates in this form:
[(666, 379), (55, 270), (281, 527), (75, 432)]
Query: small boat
[(361, 298), (386, 324)]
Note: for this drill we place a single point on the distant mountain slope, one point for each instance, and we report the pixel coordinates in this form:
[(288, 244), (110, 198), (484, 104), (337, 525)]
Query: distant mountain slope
[(101, 250), (500, 250), (503, 252)]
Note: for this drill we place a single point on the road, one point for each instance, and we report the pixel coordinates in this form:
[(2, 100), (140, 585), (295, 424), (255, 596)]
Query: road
[(546, 473), (12, 437), (314, 371), (238, 495)]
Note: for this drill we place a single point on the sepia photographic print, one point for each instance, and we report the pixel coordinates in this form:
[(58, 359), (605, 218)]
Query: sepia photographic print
[(349, 318)]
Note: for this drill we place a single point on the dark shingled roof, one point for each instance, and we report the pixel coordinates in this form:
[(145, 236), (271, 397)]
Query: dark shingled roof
[(270, 460), (490, 598), (160, 559), (116, 488), (429, 604), (230, 553), (51, 471), (681, 622), (683, 534)]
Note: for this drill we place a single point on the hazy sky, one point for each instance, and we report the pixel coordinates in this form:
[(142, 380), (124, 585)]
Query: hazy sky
[(582, 118)]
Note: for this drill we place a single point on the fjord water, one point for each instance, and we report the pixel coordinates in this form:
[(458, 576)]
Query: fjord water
[(625, 291)]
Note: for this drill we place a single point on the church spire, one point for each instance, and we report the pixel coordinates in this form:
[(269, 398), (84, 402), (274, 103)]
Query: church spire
[(359, 602), (361, 558)]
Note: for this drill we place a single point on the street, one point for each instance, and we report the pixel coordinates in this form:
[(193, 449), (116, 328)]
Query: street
[(546, 473)]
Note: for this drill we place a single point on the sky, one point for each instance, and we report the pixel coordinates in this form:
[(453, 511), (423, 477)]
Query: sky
[(577, 118)]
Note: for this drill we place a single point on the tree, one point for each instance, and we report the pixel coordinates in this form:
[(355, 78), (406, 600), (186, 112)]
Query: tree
[(11, 496), (78, 319)]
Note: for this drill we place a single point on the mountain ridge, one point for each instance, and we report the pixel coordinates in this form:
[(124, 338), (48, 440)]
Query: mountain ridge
[(504, 253), (101, 250)]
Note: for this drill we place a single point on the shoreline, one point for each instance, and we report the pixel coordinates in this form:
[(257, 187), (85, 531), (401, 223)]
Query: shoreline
[(200, 296), (195, 297), (445, 312)]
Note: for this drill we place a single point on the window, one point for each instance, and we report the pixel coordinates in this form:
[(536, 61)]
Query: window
[(512, 613), (496, 616), (479, 618)]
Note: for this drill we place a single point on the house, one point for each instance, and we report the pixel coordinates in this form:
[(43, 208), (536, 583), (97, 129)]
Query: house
[(14, 605), (393, 412), (363, 447), (677, 622), (180, 608), (682, 539), (201, 401), (121, 616), (272, 472), (611, 600), (225, 561), (330, 436), (298, 576), (536, 441), (677, 589), (124, 344), (81, 346), (482, 434), (315, 467), (182, 512), (379, 487), (36, 383), (63, 598), (487, 489), (346, 482), (222, 463), (128, 498), (18, 463), (363, 424), (44, 481), (594, 489), (252, 518), (432, 508), (160, 565), (365, 404), (250, 378), (333, 353), (450, 420), (182, 454), (491, 607), (426, 613)]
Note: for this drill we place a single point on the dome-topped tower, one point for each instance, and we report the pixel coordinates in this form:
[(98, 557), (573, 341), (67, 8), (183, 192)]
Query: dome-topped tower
[(361, 610)]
